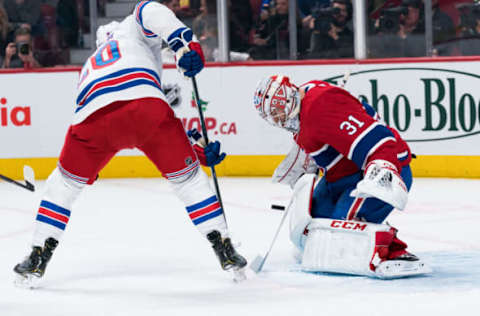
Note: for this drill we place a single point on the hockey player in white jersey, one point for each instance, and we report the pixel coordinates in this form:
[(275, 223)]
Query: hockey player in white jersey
[(120, 104)]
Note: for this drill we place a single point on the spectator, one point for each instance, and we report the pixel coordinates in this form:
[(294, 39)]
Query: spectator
[(306, 6), (205, 28), (443, 31), (205, 24), (331, 37), (173, 5), (20, 54), (25, 14), (184, 10), (68, 23), (241, 23), (206, 21), (271, 39), (469, 26), (5, 31), (400, 31)]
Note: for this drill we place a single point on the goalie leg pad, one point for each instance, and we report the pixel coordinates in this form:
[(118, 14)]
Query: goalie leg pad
[(359, 248), (300, 209)]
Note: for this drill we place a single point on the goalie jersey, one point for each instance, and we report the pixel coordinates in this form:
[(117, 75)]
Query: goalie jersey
[(127, 64), (342, 135)]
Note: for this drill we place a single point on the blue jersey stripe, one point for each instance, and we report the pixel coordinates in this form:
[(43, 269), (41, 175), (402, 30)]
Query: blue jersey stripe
[(54, 207), (373, 137), (120, 87), (370, 110), (207, 217), (326, 157), (51, 221), (112, 76), (202, 204)]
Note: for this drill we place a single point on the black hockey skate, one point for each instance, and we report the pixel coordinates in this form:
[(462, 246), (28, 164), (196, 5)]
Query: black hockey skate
[(34, 265), (225, 252)]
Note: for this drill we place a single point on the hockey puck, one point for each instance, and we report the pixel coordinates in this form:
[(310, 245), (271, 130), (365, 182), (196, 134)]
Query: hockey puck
[(278, 207)]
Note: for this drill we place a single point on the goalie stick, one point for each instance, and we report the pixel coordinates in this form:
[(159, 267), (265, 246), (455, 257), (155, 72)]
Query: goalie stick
[(259, 261), (29, 178)]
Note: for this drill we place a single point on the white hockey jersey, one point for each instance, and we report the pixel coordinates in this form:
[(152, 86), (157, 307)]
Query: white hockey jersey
[(127, 64)]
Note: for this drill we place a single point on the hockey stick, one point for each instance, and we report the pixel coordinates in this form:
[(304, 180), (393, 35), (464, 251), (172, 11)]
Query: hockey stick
[(259, 261), (238, 274), (29, 178), (345, 78), (205, 136)]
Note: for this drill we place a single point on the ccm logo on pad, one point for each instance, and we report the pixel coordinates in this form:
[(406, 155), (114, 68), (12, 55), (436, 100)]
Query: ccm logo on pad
[(348, 225)]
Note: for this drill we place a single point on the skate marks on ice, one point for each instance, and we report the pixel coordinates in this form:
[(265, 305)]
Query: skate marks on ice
[(451, 271), (111, 263)]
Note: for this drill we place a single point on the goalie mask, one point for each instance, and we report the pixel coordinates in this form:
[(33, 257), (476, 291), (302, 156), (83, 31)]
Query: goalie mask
[(278, 102)]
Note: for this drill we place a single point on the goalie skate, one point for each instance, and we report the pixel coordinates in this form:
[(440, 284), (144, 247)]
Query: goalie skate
[(405, 266)]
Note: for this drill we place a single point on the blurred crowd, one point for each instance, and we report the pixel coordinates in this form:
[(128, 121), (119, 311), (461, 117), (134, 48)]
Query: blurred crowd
[(43, 33), (259, 29)]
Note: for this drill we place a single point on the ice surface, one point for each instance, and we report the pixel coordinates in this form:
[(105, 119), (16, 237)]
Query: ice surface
[(130, 249)]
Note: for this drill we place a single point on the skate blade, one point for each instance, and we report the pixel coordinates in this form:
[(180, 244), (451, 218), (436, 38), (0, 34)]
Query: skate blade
[(239, 275), (26, 281), (394, 269)]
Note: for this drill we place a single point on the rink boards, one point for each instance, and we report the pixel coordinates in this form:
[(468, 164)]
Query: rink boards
[(434, 103)]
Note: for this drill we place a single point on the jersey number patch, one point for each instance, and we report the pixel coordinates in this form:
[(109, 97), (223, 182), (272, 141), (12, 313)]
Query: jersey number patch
[(352, 125), (106, 56)]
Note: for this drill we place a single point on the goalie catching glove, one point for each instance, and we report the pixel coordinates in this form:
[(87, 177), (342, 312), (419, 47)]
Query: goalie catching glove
[(382, 181), (208, 154)]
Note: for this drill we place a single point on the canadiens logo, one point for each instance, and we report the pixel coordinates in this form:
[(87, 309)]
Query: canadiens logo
[(279, 99)]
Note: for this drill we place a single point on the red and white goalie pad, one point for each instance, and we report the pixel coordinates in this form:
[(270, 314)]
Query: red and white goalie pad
[(299, 209), (358, 248)]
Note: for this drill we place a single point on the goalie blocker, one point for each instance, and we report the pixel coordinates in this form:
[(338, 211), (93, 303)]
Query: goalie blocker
[(349, 247)]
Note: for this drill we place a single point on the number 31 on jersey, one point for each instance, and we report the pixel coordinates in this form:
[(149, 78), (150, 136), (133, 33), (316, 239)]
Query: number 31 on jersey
[(352, 125)]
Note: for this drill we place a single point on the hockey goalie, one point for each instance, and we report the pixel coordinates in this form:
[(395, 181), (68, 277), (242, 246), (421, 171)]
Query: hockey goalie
[(338, 222)]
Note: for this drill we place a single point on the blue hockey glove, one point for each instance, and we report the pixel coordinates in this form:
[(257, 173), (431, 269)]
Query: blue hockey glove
[(192, 61), (208, 155)]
